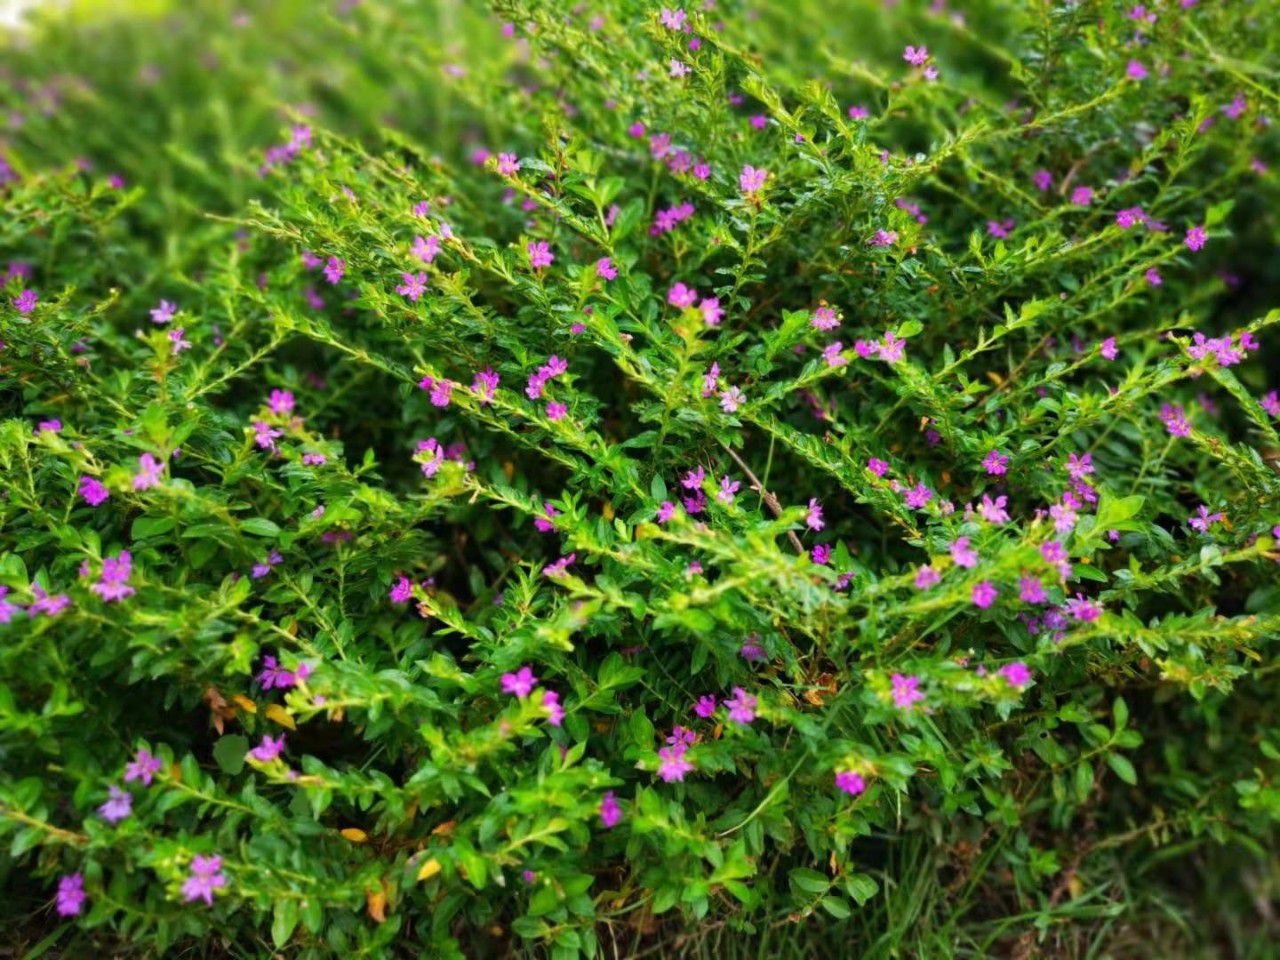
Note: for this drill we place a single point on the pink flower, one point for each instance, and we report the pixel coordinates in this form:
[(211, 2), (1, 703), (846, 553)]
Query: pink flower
[(206, 877), (1205, 519), (519, 684), (1031, 591), (1135, 70), (335, 269), (742, 707), (850, 782), (606, 269), (917, 57), (402, 590), (415, 284), (485, 385), (268, 749), (610, 812), (551, 703), (1082, 196), (71, 895), (673, 19), (831, 354), (883, 238), (711, 312), (813, 519), (752, 180), (820, 554), (731, 399), (540, 254), (673, 765), (1195, 238), (556, 410), (1107, 348), (918, 496), (984, 594), (927, 577), (706, 705), (891, 348), (681, 296), (426, 248), (112, 584), (508, 164), (963, 554), (996, 463), (178, 341), (906, 691), (1016, 674), (877, 466), (728, 488), (993, 511), (93, 491), (1042, 179), (825, 318)]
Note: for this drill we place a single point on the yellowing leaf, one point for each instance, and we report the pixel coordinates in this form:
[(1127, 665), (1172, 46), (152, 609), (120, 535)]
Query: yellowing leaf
[(355, 834), (281, 716), (429, 869), (245, 704)]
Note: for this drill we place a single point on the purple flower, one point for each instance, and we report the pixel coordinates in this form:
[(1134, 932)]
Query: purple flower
[(268, 749), (508, 164), (274, 676), (850, 782), (878, 467), (1195, 238), (26, 301), (163, 312), (178, 340), (280, 401), (7, 609), (558, 568), (116, 570), (821, 554), (335, 269), (1175, 420), (906, 690), (666, 510), (46, 604), (1082, 196), (119, 805), (520, 684), (402, 591), (731, 399), (1042, 179), (93, 491), (606, 269), (996, 463), (1107, 348), (672, 764), (1271, 403), (883, 238), (705, 707), (1135, 70), (1205, 519), (71, 895), (984, 594), (206, 876), (610, 812), (143, 767), (918, 496)]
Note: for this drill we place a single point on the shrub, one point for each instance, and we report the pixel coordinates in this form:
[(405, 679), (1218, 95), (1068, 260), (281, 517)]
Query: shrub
[(610, 476)]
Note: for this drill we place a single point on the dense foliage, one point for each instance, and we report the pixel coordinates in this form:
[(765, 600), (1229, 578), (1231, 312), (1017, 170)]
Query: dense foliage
[(570, 479)]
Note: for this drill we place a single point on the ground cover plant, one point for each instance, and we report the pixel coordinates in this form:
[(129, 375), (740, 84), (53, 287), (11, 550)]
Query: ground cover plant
[(603, 479)]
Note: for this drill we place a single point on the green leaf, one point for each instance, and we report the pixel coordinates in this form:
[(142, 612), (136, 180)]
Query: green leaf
[(229, 753)]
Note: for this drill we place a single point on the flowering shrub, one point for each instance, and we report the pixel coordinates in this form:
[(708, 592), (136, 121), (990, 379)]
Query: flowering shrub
[(570, 479)]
